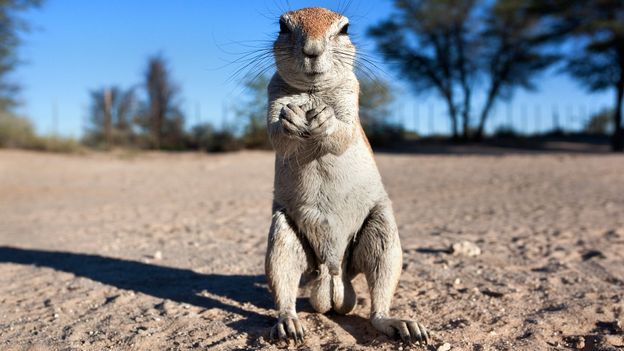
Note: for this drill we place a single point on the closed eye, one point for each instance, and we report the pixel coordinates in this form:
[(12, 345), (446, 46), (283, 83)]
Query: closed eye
[(344, 30), (283, 27)]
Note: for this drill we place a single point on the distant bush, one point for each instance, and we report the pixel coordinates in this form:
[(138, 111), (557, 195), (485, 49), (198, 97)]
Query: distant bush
[(225, 140), (252, 114), (505, 132), (206, 138), (17, 132), (384, 134), (600, 123), (201, 137), (255, 135), (56, 144)]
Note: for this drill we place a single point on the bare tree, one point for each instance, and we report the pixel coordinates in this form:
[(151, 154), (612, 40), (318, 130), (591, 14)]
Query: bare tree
[(111, 112), (161, 115), (427, 41), (514, 51), (454, 46)]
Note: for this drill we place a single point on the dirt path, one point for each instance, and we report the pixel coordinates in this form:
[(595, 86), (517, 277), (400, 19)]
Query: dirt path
[(166, 252)]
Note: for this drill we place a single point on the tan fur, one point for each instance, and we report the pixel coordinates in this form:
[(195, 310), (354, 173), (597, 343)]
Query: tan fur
[(332, 217), (314, 21), (368, 145)]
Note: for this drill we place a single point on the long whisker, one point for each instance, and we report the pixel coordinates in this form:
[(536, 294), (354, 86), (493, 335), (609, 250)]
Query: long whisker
[(251, 64), (358, 65)]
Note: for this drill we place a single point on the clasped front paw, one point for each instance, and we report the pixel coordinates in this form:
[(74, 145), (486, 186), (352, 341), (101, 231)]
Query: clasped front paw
[(321, 120), (293, 120)]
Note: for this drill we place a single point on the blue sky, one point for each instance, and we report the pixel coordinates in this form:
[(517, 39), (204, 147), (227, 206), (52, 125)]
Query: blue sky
[(77, 46)]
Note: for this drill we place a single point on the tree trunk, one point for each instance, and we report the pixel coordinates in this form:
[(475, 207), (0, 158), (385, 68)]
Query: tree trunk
[(484, 115), (617, 143), (466, 113), (452, 113), (108, 117), (466, 126), (453, 116), (459, 41), (156, 119)]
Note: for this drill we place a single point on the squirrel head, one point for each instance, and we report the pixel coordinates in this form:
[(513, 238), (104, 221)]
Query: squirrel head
[(313, 50)]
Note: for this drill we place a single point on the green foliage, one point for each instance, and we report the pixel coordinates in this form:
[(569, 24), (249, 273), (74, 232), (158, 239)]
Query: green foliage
[(384, 134), (160, 116), (112, 113), (17, 132), (56, 144), (201, 137), (205, 137), (599, 123), (598, 26), (253, 112), (375, 100), (505, 132), (10, 27), (599, 64), (453, 47), (225, 140), (116, 114)]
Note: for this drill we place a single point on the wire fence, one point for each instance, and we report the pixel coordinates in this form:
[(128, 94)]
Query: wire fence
[(429, 119)]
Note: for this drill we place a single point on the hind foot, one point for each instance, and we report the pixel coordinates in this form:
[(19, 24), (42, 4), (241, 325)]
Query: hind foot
[(288, 327), (409, 331)]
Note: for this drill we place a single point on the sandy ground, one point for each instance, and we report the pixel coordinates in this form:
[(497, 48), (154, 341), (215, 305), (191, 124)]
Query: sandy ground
[(166, 252)]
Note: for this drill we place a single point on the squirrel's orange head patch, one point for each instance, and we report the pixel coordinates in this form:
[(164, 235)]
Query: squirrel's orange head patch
[(314, 21), (313, 49)]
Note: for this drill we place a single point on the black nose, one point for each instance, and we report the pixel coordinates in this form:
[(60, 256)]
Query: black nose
[(311, 55)]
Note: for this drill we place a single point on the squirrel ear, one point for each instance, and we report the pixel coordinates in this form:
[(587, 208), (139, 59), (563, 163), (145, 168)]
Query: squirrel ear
[(345, 29), (283, 27)]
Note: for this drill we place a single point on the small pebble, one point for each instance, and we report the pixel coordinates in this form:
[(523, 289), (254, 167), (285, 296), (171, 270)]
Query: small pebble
[(444, 347), (465, 248)]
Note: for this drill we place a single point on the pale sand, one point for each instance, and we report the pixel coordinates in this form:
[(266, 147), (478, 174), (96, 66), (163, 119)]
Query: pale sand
[(166, 252)]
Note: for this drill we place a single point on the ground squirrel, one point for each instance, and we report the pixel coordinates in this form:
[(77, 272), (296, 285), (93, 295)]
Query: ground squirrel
[(331, 214)]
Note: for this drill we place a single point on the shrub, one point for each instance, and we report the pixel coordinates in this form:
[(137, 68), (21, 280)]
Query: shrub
[(56, 144), (15, 132), (505, 132), (384, 134)]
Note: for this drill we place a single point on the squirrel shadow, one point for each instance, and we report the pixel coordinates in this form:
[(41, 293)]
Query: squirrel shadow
[(176, 284), (182, 286)]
